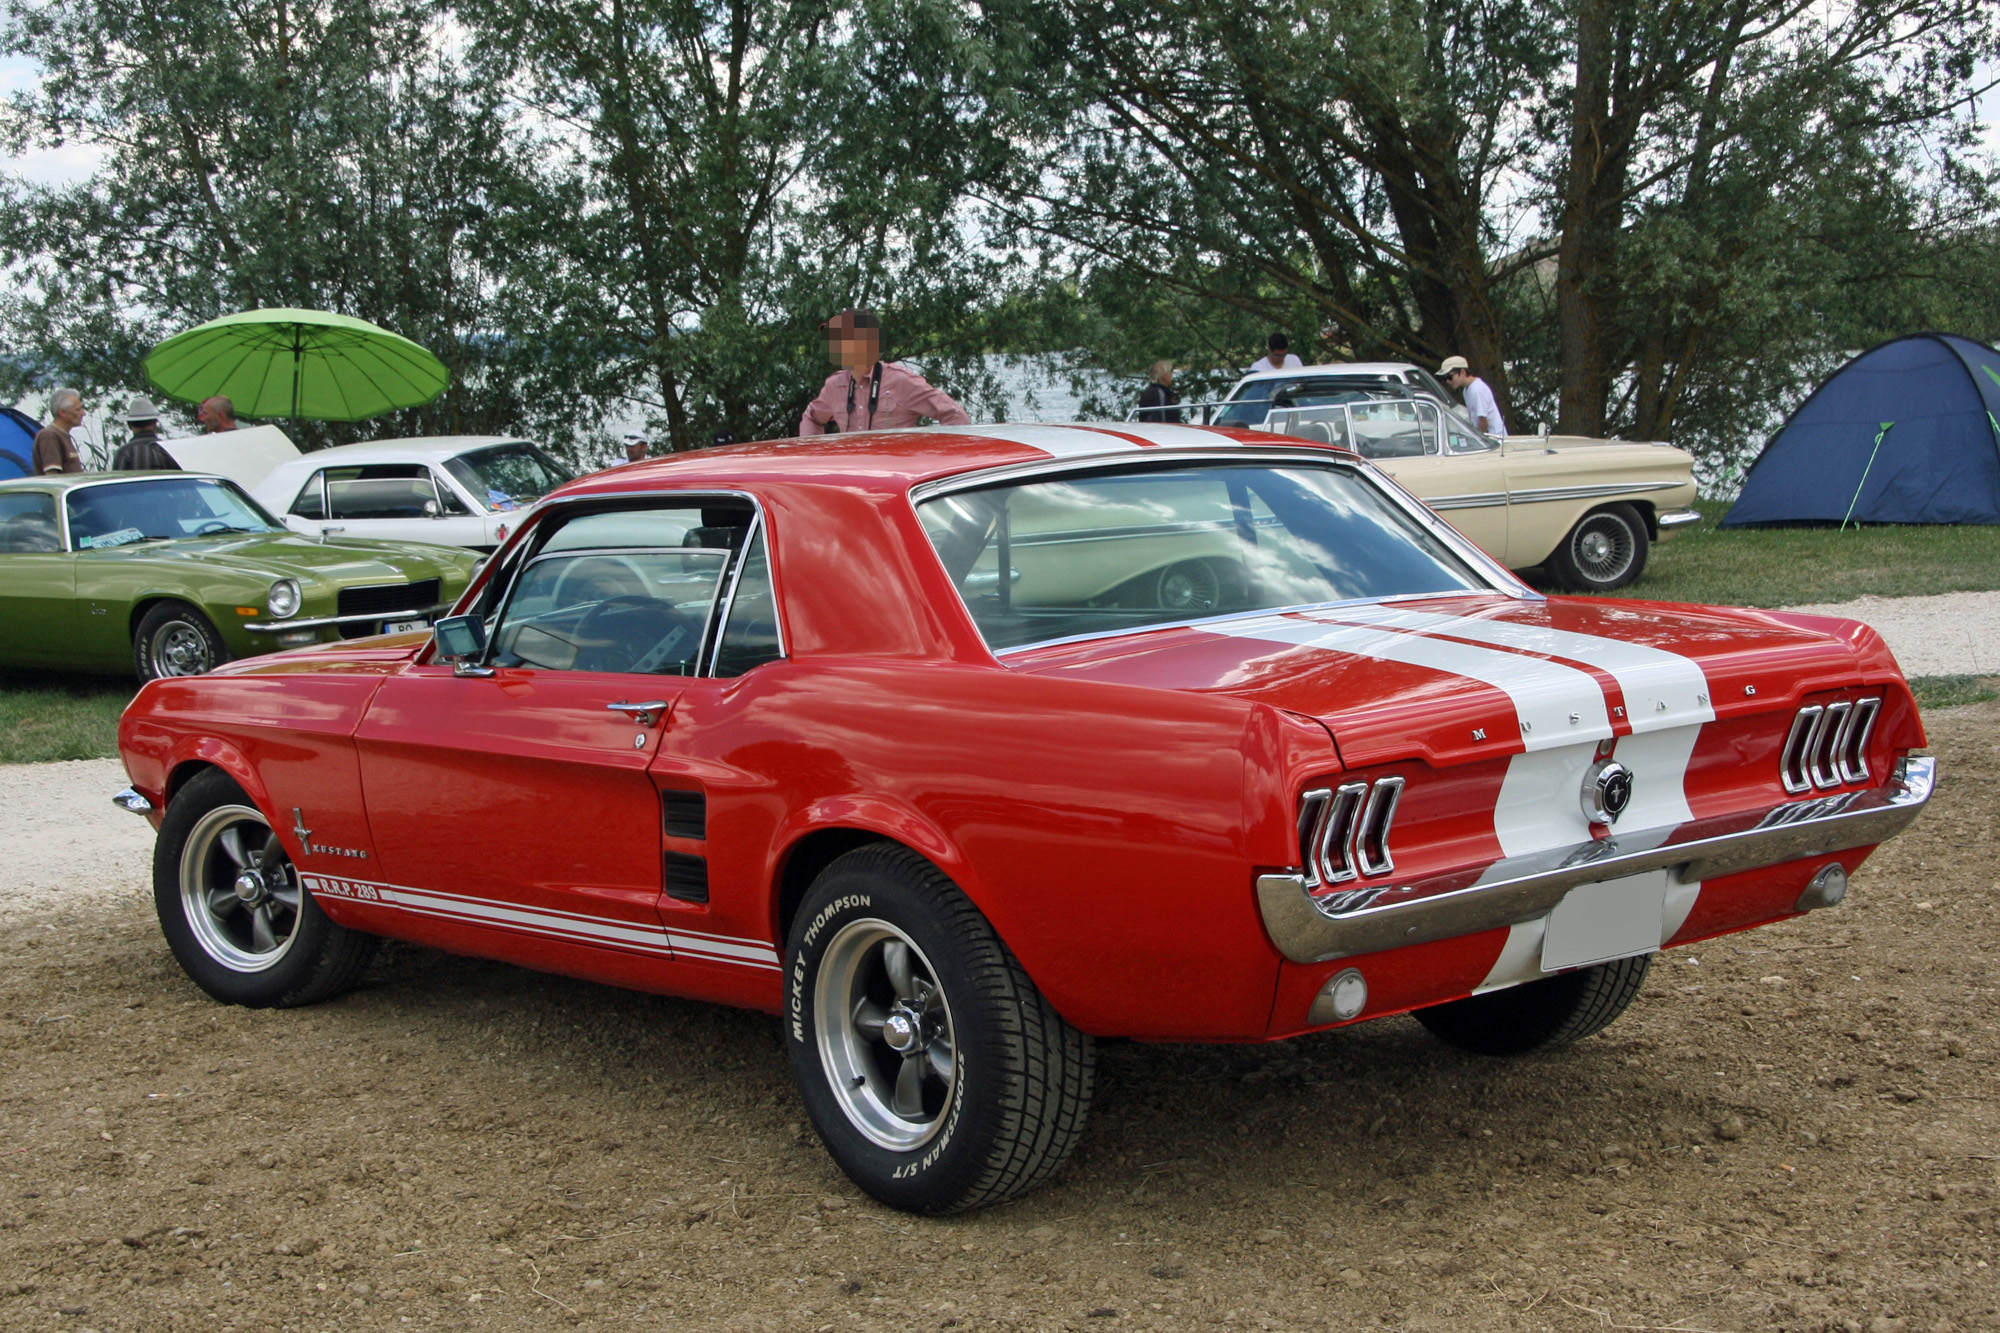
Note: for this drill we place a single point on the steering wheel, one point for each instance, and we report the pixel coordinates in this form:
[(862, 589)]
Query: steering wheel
[(607, 575), (637, 633), (213, 525)]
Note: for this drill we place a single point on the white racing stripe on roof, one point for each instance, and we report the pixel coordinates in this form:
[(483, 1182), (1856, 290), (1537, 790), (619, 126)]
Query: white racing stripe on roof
[(1055, 441), (1169, 436), (1662, 689), (1546, 695)]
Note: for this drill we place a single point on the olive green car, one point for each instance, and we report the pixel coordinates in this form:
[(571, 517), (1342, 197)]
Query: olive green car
[(172, 573)]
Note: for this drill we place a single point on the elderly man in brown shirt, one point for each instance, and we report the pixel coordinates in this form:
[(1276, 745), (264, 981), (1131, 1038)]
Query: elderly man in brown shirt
[(54, 450), (868, 393)]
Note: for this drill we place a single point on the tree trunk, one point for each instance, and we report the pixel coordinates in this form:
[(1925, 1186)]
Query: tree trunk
[(1591, 214)]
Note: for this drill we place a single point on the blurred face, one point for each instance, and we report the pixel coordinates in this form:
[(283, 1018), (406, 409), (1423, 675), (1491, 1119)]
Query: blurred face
[(635, 450), (855, 350), (210, 415), (1458, 379), (71, 416)]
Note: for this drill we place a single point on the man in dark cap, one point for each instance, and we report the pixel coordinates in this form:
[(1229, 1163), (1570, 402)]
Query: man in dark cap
[(867, 392), (143, 452)]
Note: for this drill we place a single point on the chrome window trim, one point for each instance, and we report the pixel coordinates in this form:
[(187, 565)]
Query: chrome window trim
[(755, 534), (1500, 580), (530, 532)]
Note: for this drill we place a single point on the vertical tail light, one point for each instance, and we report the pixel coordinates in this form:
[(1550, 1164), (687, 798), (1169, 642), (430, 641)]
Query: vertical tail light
[(1344, 831), (1828, 745)]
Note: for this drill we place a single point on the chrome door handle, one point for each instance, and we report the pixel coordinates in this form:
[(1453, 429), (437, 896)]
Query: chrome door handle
[(641, 713)]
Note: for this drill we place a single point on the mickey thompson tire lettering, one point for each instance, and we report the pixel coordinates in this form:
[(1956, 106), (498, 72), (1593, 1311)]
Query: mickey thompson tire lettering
[(986, 1095)]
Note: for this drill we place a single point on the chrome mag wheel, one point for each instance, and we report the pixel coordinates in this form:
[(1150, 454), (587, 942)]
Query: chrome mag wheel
[(239, 891), (885, 1034)]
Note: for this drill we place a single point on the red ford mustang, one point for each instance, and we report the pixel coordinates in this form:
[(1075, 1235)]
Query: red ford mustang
[(959, 748)]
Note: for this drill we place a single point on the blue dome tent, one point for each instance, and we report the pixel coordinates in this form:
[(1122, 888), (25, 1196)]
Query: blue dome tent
[(17, 442), (1907, 432)]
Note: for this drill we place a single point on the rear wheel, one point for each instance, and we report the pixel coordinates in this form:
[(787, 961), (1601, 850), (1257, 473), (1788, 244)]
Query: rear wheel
[(174, 639), (1539, 1015), (1605, 550), (938, 1077), (234, 913)]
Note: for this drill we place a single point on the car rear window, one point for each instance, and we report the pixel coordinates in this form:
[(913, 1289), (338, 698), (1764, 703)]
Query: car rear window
[(1118, 550)]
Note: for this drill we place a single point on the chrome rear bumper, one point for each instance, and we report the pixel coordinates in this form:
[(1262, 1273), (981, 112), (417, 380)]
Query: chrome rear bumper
[(1315, 929)]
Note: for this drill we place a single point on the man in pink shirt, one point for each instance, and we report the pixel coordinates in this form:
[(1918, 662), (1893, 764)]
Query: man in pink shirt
[(868, 392)]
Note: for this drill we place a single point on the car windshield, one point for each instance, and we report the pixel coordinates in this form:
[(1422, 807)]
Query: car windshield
[(1121, 550), (1257, 398), (161, 509), (508, 476)]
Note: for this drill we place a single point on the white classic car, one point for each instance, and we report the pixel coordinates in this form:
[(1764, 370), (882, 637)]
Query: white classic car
[(455, 490), (450, 490), (1586, 511)]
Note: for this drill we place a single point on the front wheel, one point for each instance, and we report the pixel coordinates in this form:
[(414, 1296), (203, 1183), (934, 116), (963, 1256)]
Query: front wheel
[(937, 1075), (174, 639), (234, 913), (1605, 550), (1539, 1015)]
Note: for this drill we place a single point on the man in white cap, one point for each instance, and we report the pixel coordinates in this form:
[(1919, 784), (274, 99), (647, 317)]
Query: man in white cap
[(143, 452), (1479, 400)]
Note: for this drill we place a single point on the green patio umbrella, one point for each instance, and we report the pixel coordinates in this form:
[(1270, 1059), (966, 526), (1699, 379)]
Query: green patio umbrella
[(296, 363)]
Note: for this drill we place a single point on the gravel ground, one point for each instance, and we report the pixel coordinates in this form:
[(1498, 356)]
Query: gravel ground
[(1949, 634), (1794, 1129)]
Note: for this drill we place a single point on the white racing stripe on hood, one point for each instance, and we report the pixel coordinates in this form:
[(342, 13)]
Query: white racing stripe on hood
[(1662, 689), (1055, 441), (1546, 695)]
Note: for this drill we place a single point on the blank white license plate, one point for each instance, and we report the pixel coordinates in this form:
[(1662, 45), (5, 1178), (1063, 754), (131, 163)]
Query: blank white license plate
[(1595, 923), (403, 626)]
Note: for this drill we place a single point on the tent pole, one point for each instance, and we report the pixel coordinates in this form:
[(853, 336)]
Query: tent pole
[(1864, 474)]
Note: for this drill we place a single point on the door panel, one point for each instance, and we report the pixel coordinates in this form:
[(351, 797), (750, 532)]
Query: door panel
[(38, 608), (1476, 481), (519, 801)]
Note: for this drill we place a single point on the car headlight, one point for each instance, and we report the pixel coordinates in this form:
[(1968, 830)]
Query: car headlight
[(283, 599)]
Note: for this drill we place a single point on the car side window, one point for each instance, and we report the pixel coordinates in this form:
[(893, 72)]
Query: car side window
[(379, 490), (1464, 442), (750, 634), (628, 591), (312, 498), (28, 523), (448, 497)]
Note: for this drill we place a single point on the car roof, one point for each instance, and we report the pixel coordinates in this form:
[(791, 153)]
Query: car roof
[(895, 460), (68, 481), (1358, 369), (411, 448)]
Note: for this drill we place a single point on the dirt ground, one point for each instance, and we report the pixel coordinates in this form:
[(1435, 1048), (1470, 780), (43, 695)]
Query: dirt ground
[(1793, 1129)]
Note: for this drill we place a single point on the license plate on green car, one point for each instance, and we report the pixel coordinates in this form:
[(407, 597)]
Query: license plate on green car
[(404, 626)]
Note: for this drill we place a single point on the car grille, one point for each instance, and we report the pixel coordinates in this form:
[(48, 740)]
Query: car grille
[(383, 598)]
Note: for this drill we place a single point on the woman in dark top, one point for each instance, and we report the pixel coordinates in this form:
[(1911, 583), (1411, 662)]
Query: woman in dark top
[(1157, 399)]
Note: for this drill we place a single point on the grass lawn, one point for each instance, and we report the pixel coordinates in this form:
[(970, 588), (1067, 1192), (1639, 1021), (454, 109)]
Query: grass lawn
[(57, 715), (1807, 566)]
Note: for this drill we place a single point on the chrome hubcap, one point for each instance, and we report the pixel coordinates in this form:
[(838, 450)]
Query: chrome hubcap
[(179, 649), (885, 1037), (239, 892), (1604, 549)]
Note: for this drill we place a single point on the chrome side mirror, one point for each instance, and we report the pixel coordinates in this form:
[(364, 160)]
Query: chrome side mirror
[(431, 509), (460, 640)]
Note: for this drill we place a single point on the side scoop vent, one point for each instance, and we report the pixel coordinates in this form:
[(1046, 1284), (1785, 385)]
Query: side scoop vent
[(1344, 831), (1828, 745)]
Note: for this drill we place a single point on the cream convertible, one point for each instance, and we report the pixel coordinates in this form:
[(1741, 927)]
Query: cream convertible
[(1584, 510)]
